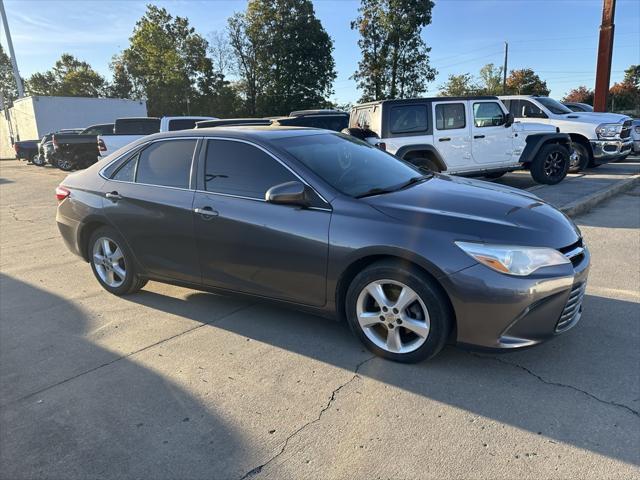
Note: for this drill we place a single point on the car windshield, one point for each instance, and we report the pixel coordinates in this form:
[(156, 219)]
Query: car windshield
[(351, 166), (553, 106)]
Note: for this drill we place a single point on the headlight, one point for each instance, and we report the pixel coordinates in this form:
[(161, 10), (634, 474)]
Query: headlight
[(609, 130), (513, 260)]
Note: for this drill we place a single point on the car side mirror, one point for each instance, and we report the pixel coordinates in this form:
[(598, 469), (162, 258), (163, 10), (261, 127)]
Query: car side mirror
[(289, 193), (508, 120)]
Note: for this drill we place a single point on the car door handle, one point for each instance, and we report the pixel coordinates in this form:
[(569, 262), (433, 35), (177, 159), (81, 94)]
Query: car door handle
[(115, 196), (206, 212), (478, 136), (444, 139)]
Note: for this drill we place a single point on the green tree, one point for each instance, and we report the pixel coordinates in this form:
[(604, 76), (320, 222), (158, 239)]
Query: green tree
[(580, 94), (284, 56), (459, 86), (244, 50), (632, 76), (121, 86), (69, 77), (394, 59), (526, 82), (8, 85), (491, 79), (167, 63)]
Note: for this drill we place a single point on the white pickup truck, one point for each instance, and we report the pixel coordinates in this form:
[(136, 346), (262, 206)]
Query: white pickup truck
[(463, 136), (127, 130), (597, 137)]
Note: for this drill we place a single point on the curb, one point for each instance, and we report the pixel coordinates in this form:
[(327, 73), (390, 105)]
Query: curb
[(581, 206)]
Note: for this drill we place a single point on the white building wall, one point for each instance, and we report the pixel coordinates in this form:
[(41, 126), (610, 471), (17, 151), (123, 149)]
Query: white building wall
[(34, 117)]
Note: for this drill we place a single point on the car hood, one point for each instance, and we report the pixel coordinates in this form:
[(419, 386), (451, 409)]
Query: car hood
[(481, 211), (532, 127), (596, 117)]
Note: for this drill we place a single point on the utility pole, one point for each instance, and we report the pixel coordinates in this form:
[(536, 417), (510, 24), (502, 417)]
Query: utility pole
[(504, 69), (12, 54), (605, 53)]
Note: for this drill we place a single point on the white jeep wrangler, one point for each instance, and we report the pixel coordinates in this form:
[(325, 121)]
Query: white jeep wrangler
[(597, 137), (464, 136)]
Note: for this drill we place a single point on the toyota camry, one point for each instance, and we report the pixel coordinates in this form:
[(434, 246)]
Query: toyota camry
[(327, 223)]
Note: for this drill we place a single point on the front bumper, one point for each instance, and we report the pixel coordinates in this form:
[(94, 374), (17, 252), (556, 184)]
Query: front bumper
[(498, 311), (610, 150)]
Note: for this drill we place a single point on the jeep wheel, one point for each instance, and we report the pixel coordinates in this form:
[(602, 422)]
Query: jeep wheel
[(550, 165), (424, 164)]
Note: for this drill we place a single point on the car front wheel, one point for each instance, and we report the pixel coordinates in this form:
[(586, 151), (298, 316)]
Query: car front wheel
[(398, 312), (112, 263)]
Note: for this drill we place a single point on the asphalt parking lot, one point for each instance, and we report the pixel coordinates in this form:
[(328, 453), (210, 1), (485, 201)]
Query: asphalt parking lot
[(178, 384)]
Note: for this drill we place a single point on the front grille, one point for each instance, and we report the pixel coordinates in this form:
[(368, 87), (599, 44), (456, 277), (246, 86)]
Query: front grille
[(573, 308), (574, 252), (626, 129)]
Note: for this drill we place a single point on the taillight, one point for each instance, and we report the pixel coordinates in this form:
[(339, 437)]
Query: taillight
[(62, 193), (15, 147), (101, 146)]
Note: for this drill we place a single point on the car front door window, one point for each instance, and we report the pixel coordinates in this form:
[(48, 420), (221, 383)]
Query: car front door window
[(244, 242)]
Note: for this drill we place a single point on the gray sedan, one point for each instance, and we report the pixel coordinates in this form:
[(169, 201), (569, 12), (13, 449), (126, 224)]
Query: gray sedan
[(332, 225)]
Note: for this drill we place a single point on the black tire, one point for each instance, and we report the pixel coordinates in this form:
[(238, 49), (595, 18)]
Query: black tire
[(440, 318), (132, 281), (551, 164), (584, 155), (38, 161), (424, 164), (65, 164), (33, 159), (494, 175), (359, 133)]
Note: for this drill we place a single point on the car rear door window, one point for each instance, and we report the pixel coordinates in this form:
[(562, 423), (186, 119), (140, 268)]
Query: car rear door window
[(450, 116), (240, 169), (127, 172), (487, 114), (166, 163), (408, 118)]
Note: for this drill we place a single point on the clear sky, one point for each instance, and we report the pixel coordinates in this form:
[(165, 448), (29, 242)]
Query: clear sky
[(558, 39)]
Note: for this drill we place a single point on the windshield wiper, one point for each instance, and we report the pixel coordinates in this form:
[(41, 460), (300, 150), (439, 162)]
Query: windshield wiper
[(395, 188)]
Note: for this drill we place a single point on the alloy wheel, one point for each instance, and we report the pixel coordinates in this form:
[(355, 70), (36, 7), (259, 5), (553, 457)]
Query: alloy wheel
[(393, 316), (553, 164), (109, 263)]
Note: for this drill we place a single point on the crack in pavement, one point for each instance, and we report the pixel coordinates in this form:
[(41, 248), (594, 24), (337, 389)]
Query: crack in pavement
[(122, 357), (332, 398), (557, 384)]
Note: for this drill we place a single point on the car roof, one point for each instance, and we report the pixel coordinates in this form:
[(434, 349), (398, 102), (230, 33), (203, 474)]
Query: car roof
[(243, 132), (426, 99)]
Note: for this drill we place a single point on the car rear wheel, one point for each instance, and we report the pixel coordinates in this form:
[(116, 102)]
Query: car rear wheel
[(65, 164), (38, 161), (398, 312), (113, 264), (550, 165)]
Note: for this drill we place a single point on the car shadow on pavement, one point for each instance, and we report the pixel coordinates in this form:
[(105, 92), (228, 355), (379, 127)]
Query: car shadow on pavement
[(580, 389), (71, 409)]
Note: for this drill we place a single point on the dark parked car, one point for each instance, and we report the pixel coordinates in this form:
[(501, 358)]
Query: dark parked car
[(578, 107), (80, 150), (328, 223), (327, 119), (26, 149)]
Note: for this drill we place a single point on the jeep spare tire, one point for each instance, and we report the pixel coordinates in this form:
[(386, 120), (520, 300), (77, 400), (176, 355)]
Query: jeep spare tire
[(360, 133)]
